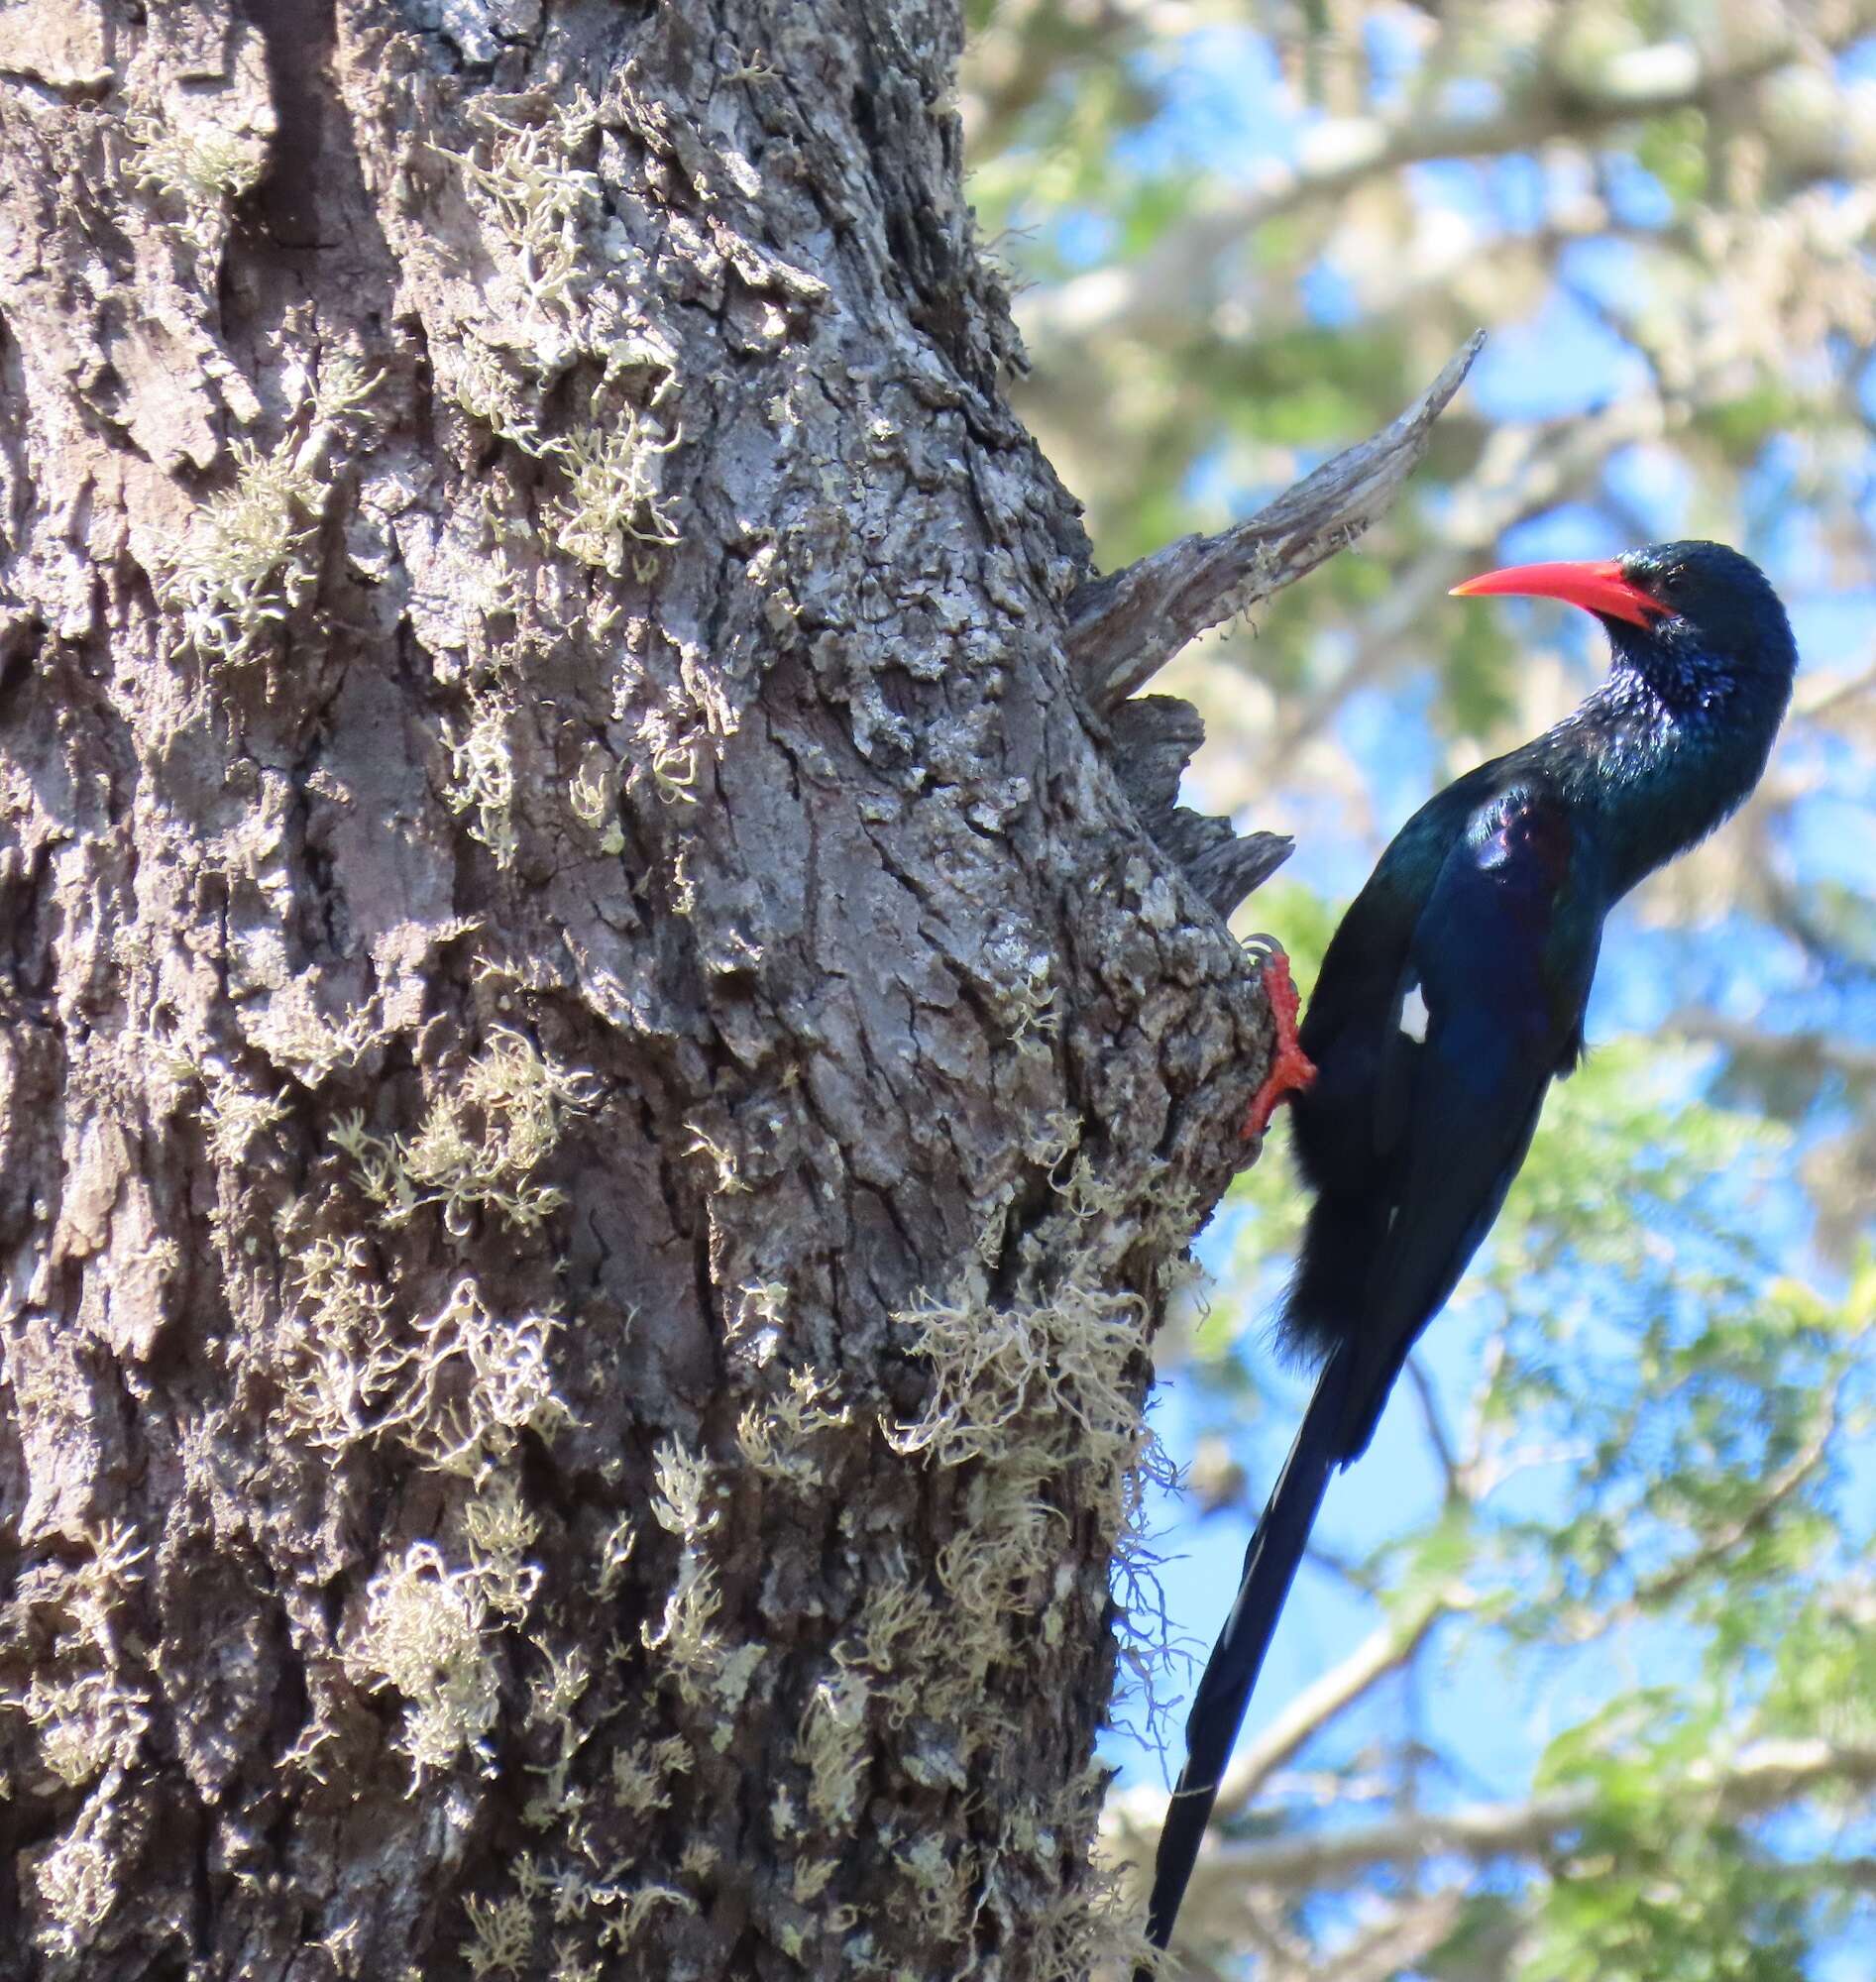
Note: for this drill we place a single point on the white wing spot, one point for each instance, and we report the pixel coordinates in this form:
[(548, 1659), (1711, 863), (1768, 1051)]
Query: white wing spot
[(1414, 1014)]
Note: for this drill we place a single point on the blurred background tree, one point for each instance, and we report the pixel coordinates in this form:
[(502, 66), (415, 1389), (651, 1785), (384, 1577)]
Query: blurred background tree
[(1581, 1682)]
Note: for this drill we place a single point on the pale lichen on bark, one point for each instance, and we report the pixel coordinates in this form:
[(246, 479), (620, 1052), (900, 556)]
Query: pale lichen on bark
[(597, 1078)]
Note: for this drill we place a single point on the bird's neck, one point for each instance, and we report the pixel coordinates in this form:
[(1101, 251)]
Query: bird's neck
[(1661, 757)]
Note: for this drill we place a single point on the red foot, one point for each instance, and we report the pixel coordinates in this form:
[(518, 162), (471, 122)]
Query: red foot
[(1290, 1068)]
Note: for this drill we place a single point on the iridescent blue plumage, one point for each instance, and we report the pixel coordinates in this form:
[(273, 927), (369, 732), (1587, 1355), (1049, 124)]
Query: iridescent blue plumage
[(1451, 996), (1492, 899)]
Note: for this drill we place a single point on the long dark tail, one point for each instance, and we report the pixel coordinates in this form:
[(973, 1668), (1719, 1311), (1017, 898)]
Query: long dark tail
[(1218, 1706)]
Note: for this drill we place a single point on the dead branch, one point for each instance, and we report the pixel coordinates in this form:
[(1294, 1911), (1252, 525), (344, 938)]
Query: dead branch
[(1124, 629)]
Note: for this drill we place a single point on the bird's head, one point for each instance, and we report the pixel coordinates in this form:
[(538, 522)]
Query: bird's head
[(1686, 616)]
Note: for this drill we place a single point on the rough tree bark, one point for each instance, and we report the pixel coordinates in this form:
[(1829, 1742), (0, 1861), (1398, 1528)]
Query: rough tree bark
[(601, 1076)]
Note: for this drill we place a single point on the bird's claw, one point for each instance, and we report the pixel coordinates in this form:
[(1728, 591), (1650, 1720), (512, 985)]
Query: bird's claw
[(1290, 1068)]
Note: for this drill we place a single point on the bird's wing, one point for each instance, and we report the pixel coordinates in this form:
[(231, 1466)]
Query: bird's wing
[(1487, 1008), (1374, 936)]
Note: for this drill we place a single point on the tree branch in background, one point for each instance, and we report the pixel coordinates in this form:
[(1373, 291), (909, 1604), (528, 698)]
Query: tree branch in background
[(1666, 1584), (1136, 1818), (1760, 1778), (1380, 1653), (1345, 153), (1813, 1054), (1833, 695), (1124, 629), (1023, 49), (1396, 1944), (1437, 1435)]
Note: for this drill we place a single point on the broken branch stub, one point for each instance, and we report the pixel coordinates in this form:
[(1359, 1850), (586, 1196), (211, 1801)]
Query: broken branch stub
[(1125, 627), (1153, 740)]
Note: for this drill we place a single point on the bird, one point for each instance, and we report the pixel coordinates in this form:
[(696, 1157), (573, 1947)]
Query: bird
[(1451, 995)]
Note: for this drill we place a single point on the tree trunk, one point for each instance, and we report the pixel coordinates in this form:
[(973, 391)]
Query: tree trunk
[(599, 1080)]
